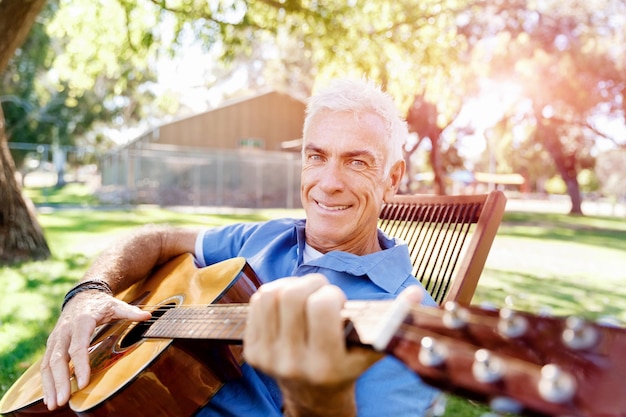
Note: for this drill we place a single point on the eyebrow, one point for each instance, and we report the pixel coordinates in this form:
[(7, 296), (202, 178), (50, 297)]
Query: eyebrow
[(350, 154)]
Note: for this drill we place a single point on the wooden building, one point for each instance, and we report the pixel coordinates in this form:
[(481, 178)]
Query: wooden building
[(241, 154), (263, 121)]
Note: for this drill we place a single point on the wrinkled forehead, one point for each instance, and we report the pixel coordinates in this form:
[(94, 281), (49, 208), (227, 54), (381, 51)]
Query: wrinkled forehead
[(367, 120), (348, 132)]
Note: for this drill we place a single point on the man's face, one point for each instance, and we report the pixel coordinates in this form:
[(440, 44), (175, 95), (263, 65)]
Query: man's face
[(344, 182)]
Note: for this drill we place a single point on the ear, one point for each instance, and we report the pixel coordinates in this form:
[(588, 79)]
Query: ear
[(395, 177)]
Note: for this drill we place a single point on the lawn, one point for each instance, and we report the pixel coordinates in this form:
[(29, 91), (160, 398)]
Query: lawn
[(539, 262)]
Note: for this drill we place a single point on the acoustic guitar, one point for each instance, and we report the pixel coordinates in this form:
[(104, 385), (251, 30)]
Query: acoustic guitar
[(172, 364)]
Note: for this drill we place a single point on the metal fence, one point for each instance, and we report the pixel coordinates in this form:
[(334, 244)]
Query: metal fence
[(177, 176)]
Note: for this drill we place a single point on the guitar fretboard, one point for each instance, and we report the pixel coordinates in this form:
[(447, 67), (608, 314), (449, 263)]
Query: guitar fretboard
[(215, 322), (374, 321)]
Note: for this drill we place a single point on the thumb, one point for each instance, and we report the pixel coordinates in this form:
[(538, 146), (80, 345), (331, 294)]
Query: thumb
[(130, 312)]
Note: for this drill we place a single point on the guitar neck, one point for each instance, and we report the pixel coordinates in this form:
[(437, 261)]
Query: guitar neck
[(544, 366), (374, 322)]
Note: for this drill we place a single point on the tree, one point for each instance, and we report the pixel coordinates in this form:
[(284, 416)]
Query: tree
[(401, 46), (430, 56), (57, 88), (569, 61), (20, 233)]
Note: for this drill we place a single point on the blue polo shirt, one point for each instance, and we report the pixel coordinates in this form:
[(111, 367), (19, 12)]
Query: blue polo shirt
[(274, 249)]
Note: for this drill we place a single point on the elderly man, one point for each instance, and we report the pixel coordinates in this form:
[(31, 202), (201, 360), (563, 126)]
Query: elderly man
[(297, 361)]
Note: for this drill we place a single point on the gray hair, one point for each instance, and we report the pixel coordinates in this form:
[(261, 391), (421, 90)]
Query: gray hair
[(360, 96)]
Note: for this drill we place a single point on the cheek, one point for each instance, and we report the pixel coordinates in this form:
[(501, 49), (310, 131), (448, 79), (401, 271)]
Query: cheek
[(306, 177)]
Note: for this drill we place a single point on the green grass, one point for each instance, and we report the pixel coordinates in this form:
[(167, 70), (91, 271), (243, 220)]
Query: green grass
[(70, 194), (559, 264), (562, 264)]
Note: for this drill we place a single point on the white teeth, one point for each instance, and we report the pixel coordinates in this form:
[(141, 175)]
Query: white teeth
[(335, 208)]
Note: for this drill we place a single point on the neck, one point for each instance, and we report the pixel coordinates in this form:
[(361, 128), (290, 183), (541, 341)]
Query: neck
[(357, 247)]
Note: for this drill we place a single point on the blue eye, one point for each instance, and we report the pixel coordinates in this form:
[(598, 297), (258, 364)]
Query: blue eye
[(358, 164)]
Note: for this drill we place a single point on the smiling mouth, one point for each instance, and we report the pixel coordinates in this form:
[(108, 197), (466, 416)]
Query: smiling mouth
[(332, 208)]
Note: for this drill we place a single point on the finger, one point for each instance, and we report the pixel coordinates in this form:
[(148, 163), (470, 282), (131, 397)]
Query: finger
[(71, 339), (324, 319), (293, 309), (79, 351), (268, 339), (328, 338), (104, 308), (125, 311), (83, 332), (47, 381), (261, 328), (413, 294), (55, 372)]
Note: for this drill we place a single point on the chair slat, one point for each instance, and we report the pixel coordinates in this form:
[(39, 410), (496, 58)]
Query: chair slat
[(449, 238)]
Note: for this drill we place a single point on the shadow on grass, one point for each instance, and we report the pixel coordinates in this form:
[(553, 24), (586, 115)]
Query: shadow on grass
[(555, 295), (605, 232), (101, 221)]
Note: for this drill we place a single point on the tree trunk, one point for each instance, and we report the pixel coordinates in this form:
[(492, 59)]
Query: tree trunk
[(422, 119), (565, 164), (436, 163), (21, 237), (16, 18)]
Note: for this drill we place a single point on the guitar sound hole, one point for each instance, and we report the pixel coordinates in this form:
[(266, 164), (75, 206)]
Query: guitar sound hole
[(136, 333)]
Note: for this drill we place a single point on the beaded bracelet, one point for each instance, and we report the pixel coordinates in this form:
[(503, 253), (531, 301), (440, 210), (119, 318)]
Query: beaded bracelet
[(92, 284)]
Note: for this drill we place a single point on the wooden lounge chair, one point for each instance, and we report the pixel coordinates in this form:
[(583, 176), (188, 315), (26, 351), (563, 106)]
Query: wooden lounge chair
[(449, 238)]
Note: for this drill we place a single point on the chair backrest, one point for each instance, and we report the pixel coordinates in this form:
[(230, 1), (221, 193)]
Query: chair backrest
[(449, 238)]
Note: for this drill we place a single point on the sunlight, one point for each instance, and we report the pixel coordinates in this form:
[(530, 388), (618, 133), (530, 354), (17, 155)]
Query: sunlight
[(495, 100)]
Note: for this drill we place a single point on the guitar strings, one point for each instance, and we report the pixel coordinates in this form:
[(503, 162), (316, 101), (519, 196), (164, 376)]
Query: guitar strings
[(157, 310)]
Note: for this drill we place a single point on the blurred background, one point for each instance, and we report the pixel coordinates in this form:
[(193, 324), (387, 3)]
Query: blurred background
[(201, 102), (117, 113)]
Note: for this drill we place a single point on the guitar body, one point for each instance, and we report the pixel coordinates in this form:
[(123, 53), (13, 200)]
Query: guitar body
[(158, 377)]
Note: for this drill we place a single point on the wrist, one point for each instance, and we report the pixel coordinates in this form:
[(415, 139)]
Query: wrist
[(320, 402), (88, 285)]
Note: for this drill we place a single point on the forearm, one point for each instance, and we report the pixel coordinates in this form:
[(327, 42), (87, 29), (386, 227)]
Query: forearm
[(134, 256)]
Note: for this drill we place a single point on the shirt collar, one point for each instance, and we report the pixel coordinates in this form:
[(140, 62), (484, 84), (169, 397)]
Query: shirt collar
[(387, 268)]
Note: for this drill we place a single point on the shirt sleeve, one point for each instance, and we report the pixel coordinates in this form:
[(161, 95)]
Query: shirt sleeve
[(221, 243)]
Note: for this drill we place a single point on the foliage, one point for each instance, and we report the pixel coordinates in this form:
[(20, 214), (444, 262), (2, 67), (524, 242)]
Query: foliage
[(39, 108), (569, 61), (588, 181), (555, 185)]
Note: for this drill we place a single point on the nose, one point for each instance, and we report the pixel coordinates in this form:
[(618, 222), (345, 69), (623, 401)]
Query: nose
[(331, 178)]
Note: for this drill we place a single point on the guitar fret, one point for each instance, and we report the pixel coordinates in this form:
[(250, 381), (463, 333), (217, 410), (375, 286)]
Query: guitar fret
[(227, 322), (214, 322)]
